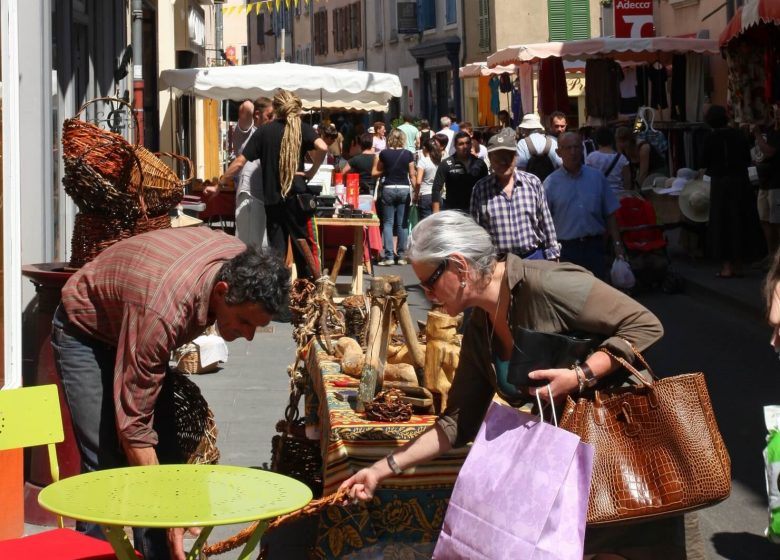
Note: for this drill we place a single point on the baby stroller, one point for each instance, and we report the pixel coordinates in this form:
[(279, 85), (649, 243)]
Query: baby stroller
[(645, 245)]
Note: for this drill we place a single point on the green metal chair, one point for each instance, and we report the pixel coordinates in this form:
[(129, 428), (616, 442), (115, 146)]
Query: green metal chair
[(31, 416)]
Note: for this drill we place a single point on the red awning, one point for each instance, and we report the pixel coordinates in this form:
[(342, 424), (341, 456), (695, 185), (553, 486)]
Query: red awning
[(752, 13)]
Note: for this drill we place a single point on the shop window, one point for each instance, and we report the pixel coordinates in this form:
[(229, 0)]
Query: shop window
[(568, 19), (426, 12), (484, 25), (451, 12)]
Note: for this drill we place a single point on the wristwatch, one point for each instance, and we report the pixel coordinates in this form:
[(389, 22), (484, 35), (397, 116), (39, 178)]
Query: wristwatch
[(590, 379), (393, 465)]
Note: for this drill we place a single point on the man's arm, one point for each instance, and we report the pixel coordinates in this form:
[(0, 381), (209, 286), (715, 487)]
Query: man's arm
[(233, 170), (317, 156), (438, 182)]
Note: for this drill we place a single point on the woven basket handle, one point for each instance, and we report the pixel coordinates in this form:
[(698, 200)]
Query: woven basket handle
[(185, 159), (115, 100)]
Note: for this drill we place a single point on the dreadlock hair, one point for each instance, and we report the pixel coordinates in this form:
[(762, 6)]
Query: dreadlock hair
[(287, 107)]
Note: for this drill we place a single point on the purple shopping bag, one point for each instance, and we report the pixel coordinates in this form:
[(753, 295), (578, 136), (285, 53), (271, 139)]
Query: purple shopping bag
[(521, 494)]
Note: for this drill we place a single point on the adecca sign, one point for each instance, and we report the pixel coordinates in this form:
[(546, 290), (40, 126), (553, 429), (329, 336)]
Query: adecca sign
[(634, 18)]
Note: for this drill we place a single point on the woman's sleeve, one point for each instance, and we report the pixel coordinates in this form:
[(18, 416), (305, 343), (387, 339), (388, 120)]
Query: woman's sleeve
[(470, 394), (585, 303)]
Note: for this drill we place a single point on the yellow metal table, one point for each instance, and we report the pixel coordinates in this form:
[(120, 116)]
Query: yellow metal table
[(164, 496)]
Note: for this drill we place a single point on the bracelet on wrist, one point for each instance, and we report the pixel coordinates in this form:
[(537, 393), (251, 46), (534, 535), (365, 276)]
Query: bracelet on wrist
[(393, 465), (580, 378)]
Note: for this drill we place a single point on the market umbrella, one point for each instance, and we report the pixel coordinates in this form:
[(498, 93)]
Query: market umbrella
[(635, 49), (317, 86), (477, 69), (751, 14)]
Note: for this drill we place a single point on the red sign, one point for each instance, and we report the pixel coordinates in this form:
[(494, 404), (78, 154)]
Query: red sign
[(634, 18)]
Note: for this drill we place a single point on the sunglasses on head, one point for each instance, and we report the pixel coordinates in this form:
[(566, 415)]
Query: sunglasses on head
[(429, 284)]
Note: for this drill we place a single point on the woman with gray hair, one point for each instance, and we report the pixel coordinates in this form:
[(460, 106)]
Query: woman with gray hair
[(456, 263)]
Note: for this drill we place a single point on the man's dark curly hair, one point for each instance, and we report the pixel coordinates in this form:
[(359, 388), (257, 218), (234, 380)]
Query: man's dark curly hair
[(256, 276)]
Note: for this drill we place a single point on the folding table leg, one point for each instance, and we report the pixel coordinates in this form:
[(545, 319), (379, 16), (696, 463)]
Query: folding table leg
[(254, 540), (199, 542), (357, 262), (119, 542)]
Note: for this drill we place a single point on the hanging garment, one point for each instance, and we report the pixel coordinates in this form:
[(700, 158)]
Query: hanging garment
[(694, 87), (658, 78), (517, 104), (486, 115), (527, 88), (602, 91), (679, 67), (495, 105), (505, 82), (629, 102), (553, 92), (642, 96)]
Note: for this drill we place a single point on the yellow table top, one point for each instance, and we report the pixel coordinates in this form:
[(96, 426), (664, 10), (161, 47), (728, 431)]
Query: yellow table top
[(175, 496)]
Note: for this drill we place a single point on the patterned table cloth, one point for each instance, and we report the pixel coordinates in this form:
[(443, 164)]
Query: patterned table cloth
[(405, 516)]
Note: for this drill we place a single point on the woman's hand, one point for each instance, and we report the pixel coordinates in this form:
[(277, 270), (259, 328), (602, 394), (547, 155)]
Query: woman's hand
[(562, 382), (361, 486)]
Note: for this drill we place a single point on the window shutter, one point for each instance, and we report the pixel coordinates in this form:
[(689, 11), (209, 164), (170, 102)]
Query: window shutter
[(568, 19), (451, 15), (484, 25), (260, 24), (325, 33)]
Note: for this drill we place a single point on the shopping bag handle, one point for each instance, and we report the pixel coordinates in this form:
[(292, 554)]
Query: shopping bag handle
[(552, 405)]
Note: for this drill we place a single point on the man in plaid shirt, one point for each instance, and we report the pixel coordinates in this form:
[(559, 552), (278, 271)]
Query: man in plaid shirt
[(510, 204)]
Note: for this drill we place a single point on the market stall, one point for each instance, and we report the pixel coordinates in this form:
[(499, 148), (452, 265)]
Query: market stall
[(626, 74), (750, 46), (319, 87)]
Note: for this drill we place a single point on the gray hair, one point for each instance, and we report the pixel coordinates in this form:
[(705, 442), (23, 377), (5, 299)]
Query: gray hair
[(443, 234), (445, 121)]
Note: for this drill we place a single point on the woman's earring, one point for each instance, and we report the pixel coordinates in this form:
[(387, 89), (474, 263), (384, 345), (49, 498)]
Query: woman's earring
[(463, 284)]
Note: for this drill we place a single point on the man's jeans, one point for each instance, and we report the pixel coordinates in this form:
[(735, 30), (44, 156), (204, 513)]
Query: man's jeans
[(86, 367), (395, 209)]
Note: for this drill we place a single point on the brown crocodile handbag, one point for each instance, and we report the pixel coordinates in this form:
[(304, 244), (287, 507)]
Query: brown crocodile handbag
[(658, 450)]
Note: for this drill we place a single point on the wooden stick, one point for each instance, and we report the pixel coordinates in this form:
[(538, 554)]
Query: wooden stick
[(303, 244), (337, 265), (376, 344), (404, 316)]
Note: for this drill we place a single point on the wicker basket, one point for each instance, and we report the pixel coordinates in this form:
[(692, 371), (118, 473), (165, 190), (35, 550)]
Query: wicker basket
[(297, 456), (184, 420), (93, 233), (187, 360), (105, 174), (160, 188)]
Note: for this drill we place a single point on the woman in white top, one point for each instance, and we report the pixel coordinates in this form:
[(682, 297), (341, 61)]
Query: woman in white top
[(612, 164), (427, 164)]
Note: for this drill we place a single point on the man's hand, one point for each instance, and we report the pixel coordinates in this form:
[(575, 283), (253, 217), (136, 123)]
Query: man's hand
[(210, 192), (175, 538)]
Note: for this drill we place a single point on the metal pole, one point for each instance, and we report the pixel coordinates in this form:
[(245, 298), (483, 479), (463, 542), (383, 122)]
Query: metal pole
[(138, 69)]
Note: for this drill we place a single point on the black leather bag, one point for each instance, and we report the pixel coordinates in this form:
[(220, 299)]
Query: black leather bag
[(307, 202), (535, 350)]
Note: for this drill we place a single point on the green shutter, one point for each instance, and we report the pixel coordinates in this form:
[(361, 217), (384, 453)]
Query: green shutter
[(579, 16), (568, 19), (484, 25)]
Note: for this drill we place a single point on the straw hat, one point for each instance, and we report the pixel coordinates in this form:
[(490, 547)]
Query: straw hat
[(531, 121), (695, 201), (650, 181)]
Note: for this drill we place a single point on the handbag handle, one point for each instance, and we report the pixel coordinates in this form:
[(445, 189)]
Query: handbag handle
[(635, 372)]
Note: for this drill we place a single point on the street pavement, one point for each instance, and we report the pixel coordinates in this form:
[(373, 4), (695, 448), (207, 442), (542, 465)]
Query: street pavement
[(716, 326)]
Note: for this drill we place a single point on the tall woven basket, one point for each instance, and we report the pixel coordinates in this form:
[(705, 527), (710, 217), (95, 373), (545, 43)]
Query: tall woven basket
[(121, 189)]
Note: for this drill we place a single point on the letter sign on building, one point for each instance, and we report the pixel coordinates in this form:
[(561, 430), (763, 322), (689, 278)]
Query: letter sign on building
[(634, 18)]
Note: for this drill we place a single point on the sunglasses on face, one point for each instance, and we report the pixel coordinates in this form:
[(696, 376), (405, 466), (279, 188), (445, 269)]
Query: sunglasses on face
[(430, 283)]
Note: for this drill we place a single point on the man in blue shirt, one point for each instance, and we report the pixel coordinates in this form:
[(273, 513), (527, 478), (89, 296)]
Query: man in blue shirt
[(583, 208)]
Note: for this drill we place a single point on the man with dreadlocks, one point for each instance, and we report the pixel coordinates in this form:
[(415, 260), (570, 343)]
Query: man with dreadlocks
[(280, 146)]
